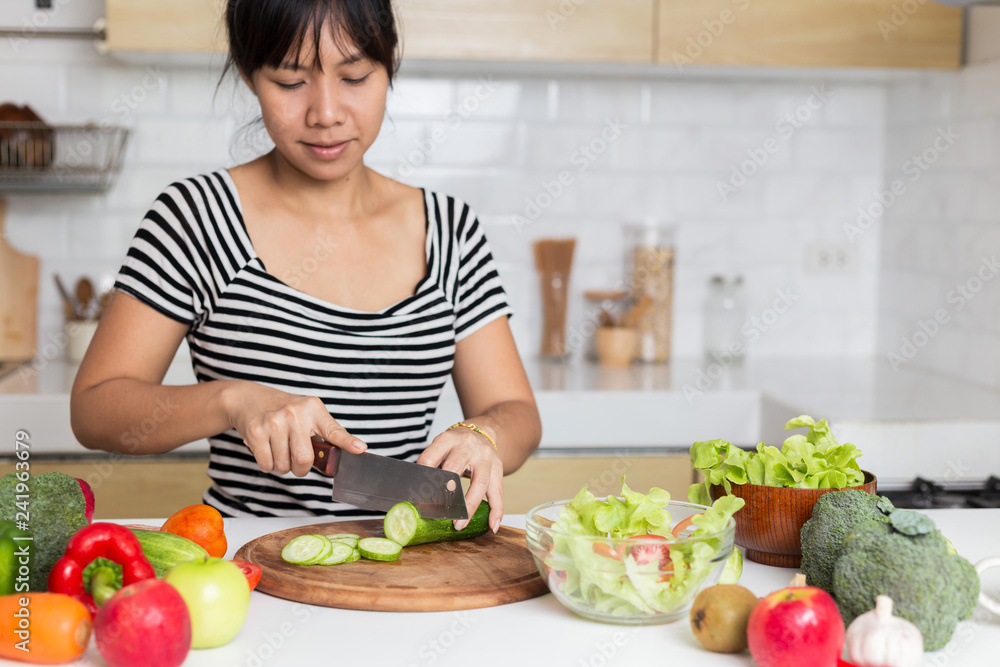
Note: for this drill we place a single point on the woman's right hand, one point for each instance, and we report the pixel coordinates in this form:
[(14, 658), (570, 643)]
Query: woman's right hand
[(277, 427)]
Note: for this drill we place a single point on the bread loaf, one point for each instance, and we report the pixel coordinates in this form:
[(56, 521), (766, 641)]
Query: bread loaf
[(25, 139)]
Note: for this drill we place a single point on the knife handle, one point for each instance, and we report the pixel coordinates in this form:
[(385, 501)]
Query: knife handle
[(325, 457)]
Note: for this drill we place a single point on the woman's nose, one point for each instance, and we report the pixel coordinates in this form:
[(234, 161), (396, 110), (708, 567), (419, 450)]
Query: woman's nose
[(326, 109)]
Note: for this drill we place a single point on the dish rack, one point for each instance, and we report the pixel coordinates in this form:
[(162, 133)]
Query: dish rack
[(41, 158)]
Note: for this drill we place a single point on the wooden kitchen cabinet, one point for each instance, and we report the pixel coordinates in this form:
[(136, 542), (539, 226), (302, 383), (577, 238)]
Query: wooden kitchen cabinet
[(512, 30), (525, 30), (818, 33), (166, 25), (140, 489), (545, 478)]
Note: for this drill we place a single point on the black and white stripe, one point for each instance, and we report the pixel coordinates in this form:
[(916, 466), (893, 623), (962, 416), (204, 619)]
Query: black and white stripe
[(379, 374)]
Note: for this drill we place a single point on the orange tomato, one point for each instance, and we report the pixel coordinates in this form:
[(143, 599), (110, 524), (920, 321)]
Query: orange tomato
[(200, 524), (54, 628)]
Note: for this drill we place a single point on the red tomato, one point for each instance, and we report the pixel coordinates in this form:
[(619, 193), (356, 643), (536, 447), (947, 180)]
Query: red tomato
[(648, 553), (251, 571)]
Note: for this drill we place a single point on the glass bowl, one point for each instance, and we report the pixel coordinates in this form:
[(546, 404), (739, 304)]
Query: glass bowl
[(635, 581)]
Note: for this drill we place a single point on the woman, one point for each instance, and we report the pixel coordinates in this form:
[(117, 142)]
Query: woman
[(318, 297)]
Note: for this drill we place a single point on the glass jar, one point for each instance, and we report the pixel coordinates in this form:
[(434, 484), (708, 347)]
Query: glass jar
[(723, 319), (649, 249)]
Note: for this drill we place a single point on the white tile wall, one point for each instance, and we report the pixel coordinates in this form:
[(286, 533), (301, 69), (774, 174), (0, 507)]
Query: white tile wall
[(936, 236), (505, 139)]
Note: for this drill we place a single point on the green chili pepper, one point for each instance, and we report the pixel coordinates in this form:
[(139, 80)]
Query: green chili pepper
[(16, 556)]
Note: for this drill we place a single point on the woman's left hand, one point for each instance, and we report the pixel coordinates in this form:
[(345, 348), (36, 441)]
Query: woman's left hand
[(468, 453)]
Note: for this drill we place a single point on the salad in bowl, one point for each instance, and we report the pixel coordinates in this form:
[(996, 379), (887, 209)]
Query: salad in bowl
[(634, 559)]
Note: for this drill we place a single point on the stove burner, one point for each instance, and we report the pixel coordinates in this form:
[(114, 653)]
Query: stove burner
[(924, 494)]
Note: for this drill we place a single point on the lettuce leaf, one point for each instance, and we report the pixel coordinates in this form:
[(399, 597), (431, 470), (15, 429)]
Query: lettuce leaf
[(814, 460)]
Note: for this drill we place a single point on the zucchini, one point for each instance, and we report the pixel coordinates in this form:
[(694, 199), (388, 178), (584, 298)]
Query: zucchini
[(164, 550), (306, 550), (339, 553), (404, 525), (379, 548)]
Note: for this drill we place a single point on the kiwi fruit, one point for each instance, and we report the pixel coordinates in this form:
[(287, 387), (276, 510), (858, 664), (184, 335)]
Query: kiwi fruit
[(719, 617)]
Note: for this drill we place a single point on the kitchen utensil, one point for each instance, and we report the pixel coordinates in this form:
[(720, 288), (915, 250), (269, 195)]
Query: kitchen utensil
[(379, 482), (102, 303), (18, 299), (637, 312), (79, 333), (553, 259), (769, 524), (615, 346), (491, 570), (71, 310), (84, 296), (604, 305), (578, 568), (984, 598)]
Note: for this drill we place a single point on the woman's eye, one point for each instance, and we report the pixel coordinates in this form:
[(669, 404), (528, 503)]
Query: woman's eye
[(288, 86), (355, 82)]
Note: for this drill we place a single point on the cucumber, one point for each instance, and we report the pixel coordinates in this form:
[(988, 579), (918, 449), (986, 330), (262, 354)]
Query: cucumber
[(306, 550), (339, 553), (404, 525), (164, 550), (346, 538), (356, 555), (379, 548)]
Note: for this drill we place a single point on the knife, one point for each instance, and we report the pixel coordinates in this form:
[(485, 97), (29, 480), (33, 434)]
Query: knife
[(378, 482)]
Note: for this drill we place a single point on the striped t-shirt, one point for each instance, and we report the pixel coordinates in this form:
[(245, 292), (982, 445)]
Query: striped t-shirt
[(379, 374)]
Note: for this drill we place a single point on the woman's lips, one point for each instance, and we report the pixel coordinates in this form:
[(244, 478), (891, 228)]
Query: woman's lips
[(327, 151)]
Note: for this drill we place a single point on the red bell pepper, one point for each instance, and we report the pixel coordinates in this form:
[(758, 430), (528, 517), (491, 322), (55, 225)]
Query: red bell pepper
[(88, 570)]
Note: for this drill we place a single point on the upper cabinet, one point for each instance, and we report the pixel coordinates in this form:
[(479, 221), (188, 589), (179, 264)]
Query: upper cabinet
[(165, 25), (816, 33), (813, 33), (520, 30)]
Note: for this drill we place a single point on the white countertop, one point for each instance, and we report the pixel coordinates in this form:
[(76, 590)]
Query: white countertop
[(907, 423), (534, 632)]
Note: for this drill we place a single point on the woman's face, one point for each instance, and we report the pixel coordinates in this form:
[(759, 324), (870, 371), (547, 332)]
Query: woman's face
[(323, 120)]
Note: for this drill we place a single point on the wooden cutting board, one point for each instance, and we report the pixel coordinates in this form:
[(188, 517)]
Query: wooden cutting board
[(488, 571), (18, 299)]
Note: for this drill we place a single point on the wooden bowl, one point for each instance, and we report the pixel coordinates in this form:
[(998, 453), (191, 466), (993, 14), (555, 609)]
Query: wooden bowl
[(768, 526)]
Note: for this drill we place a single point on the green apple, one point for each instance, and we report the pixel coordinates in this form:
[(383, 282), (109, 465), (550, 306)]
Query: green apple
[(217, 596)]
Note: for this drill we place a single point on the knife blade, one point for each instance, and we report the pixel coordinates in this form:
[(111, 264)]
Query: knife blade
[(378, 482)]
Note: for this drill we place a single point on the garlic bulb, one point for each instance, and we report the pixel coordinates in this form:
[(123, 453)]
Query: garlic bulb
[(877, 638)]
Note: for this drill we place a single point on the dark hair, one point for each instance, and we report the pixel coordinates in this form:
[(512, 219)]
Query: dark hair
[(264, 32)]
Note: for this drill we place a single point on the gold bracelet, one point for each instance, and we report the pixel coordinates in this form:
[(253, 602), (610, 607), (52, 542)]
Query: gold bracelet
[(477, 430)]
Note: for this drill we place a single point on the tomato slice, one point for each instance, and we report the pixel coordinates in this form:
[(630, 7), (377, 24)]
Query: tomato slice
[(608, 551), (251, 571), (649, 553), (682, 525)]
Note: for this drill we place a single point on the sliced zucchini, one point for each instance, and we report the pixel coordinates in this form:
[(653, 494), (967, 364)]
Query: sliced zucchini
[(379, 548), (306, 550), (339, 553)]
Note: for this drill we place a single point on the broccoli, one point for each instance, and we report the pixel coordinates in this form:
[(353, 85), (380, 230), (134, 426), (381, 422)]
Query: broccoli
[(834, 515), (55, 509), (930, 587)]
